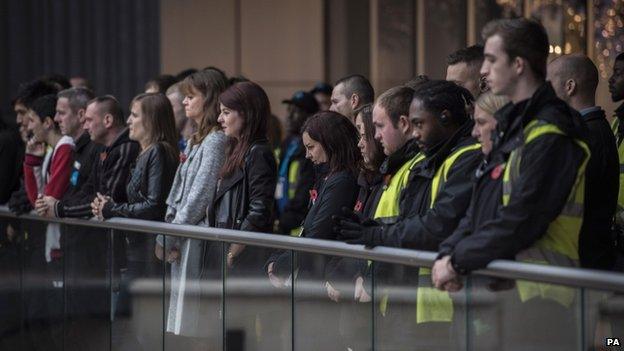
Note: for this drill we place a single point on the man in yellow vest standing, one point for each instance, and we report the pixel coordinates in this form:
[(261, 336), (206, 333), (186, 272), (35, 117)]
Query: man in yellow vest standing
[(528, 198)]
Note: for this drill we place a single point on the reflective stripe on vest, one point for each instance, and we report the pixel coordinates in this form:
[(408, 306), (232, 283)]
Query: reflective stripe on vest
[(433, 305), (387, 209), (559, 245), (293, 176)]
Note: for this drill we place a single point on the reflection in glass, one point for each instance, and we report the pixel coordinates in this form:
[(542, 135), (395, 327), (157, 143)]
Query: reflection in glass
[(257, 314), (326, 314), (194, 310), (603, 317), (88, 267), (409, 311), (522, 315), (137, 293), (11, 263)]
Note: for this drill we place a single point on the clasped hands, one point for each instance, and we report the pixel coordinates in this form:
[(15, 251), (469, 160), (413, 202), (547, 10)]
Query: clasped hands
[(98, 205), (44, 205)]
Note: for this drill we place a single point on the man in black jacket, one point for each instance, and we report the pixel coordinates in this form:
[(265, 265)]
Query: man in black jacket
[(575, 78), (88, 250), (528, 198), (105, 123)]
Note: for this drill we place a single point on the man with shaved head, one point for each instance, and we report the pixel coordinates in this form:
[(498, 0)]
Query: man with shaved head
[(575, 78)]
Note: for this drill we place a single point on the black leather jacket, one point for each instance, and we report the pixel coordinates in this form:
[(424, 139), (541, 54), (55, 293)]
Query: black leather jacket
[(148, 186), (245, 199)]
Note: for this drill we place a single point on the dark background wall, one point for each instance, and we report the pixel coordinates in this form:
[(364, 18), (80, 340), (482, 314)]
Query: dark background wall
[(115, 44)]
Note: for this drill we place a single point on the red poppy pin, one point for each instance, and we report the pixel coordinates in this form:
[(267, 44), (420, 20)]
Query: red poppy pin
[(182, 157), (497, 171), (103, 156), (358, 206), (313, 195)]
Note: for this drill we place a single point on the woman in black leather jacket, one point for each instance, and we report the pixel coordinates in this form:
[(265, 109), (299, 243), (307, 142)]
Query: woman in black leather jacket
[(246, 187), (152, 125)]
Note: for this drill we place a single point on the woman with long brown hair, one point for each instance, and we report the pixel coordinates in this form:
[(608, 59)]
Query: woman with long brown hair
[(192, 192), (245, 195), (151, 124)]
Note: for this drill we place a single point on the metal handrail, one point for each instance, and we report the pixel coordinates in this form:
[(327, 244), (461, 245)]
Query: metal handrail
[(575, 277)]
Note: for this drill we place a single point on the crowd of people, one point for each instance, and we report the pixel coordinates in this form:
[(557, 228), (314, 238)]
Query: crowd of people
[(508, 158)]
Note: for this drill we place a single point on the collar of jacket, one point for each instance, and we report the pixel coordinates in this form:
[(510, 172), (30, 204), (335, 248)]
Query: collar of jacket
[(595, 115), (321, 170), (367, 179), (619, 112), (238, 174), (82, 141), (393, 162), (122, 138), (438, 154), (543, 105)]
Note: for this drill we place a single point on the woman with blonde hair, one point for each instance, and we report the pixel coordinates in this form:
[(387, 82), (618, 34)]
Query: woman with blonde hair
[(485, 107)]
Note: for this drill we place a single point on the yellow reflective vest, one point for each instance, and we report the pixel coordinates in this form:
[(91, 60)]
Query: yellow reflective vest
[(559, 245), (433, 305)]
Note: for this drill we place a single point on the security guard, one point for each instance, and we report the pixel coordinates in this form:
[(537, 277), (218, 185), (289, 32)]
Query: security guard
[(436, 197), (528, 199), (295, 171)]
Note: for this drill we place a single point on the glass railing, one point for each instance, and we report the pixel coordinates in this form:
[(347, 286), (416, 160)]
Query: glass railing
[(138, 285)]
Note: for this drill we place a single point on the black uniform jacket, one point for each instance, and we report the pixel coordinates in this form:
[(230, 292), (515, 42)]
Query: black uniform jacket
[(596, 242), (296, 209), (421, 226), (547, 172)]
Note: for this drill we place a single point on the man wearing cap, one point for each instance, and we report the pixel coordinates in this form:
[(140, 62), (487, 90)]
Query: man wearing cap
[(322, 93), (296, 172)]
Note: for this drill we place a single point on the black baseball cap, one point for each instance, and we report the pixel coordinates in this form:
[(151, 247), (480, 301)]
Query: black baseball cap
[(304, 101), (322, 87)]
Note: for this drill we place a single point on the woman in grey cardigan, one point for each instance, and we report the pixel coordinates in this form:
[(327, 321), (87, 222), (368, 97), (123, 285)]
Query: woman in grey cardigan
[(192, 191)]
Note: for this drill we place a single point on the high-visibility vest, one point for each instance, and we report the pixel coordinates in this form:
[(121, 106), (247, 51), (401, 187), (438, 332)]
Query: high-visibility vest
[(387, 210), (620, 145), (433, 305), (559, 245)]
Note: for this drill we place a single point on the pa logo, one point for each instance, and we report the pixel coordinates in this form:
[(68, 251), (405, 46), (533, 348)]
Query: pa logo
[(613, 342)]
